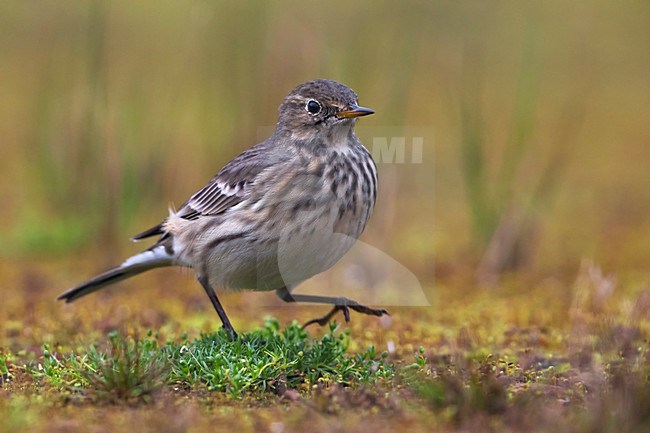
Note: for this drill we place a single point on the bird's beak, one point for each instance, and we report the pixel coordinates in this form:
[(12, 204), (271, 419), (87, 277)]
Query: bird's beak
[(354, 111)]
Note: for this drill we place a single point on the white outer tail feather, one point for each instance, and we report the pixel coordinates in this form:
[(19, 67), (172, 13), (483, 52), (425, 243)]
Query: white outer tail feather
[(147, 257)]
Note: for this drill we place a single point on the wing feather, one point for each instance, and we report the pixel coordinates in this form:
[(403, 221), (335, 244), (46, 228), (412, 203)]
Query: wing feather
[(225, 190)]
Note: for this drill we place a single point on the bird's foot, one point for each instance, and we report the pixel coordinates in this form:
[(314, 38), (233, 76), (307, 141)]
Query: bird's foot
[(345, 308)]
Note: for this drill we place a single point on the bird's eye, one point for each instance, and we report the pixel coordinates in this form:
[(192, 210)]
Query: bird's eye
[(313, 107)]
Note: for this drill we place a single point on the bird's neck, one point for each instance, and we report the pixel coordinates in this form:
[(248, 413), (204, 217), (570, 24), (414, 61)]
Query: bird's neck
[(332, 138)]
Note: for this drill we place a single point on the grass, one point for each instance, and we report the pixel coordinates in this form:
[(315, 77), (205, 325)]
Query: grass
[(592, 377), (508, 191), (274, 360), (481, 361), (133, 369)]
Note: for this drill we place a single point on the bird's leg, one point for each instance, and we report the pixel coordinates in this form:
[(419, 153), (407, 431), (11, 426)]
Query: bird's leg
[(340, 304), (217, 306)]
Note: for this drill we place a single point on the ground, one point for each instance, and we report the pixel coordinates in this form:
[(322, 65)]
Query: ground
[(548, 357)]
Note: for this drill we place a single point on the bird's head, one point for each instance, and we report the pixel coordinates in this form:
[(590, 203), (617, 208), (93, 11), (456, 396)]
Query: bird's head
[(320, 106)]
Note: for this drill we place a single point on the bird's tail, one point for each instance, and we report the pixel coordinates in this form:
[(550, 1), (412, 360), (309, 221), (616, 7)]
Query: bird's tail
[(155, 257)]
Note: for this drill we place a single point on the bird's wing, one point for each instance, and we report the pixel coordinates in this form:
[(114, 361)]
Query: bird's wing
[(217, 196), (225, 190)]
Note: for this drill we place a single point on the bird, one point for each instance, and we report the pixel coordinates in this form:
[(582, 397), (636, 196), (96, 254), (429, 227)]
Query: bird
[(281, 212)]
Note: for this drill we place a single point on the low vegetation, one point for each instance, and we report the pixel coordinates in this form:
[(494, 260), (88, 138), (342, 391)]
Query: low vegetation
[(133, 369), (593, 375)]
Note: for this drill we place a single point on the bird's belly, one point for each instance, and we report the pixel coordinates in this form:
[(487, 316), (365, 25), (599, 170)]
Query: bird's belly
[(282, 254)]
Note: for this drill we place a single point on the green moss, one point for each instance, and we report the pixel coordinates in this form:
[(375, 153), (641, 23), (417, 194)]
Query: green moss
[(267, 359)]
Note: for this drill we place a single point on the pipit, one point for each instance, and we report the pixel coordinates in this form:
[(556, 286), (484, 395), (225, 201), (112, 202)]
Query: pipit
[(279, 213)]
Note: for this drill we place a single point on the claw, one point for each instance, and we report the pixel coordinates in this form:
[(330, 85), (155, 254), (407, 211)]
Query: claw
[(346, 313), (322, 321)]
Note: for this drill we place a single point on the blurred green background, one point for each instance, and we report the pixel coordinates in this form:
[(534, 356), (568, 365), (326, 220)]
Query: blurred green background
[(539, 154)]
